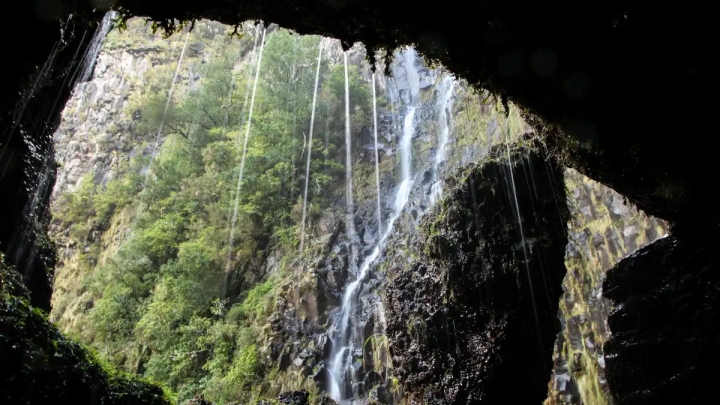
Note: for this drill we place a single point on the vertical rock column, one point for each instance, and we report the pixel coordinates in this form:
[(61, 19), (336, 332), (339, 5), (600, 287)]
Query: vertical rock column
[(473, 318)]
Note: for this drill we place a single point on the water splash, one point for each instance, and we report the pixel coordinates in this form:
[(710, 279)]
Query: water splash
[(244, 153), (310, 137)]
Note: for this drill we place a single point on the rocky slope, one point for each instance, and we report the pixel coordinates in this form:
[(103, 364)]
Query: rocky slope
[(41, 365)]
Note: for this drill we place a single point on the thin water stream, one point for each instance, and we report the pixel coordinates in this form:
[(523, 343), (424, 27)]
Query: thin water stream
[(244, 153), (350, 338), (310, 138), (167, 106), (377, 157)]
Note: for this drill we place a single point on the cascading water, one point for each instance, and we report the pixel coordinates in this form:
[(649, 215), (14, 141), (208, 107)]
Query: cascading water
[(413, 78), (244, 153), (310, 138), (91, 54), (444, 106), (350, 339), (377, 157)]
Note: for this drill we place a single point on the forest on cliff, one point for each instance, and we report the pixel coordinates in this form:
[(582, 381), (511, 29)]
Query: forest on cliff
[(173, 268)]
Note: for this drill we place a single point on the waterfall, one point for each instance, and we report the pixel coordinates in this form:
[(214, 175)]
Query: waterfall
[(341, 359), (244, 153), (167, 106), (445, 115), (377, 157), (91, 54), (310, 137), (413, 78)]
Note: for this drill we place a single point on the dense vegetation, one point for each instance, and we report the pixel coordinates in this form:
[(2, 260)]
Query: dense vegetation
[(176, 300)]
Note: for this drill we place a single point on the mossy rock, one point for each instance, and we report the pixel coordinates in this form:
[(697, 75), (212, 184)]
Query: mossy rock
[(40, 365)]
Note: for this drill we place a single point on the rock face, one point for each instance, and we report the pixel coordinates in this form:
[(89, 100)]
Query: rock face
[(297, 341), (100, 134), (665, 346), (474, 316), (603, 229)]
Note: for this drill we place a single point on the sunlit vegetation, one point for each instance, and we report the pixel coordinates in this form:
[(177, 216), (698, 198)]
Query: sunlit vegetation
[(171, 301)]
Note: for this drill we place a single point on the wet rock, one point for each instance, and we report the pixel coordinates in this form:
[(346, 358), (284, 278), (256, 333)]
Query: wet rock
[(618, 206), (665, 347), (294, 398), (467, 319), (630, 235)]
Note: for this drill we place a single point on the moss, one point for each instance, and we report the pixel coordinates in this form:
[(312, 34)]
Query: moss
[(39, 364)]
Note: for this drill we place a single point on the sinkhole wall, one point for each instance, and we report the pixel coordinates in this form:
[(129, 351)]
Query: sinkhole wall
[(101, 133)]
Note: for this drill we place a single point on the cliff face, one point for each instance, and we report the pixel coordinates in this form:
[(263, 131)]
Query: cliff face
[(146, 275), (304, 319), (102, 137), (106, 146), (603, 230)]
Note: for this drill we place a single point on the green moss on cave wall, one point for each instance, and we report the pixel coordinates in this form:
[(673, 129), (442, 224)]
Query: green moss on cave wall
[(40, 365)]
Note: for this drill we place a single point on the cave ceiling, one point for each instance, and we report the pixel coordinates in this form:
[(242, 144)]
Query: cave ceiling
[(622, 89)]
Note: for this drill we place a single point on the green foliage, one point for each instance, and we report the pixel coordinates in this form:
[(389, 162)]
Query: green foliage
[(177, 300), (237, 382), (255, 304)]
